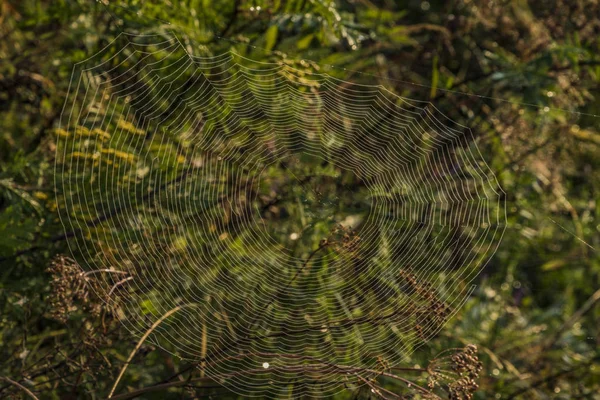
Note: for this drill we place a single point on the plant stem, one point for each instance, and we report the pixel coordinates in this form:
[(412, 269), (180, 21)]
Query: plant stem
[(17, 384), (139, 344)]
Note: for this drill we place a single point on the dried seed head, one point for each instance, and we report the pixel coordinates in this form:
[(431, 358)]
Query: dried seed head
[(343, 239), (71, 290), (458, 370)]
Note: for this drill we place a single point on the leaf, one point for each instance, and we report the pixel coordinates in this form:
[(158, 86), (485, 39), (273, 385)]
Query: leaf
[(554, 264), (271, 37), (13, 192), (305, 42), (435, 77), (585, 135), (400, 35), (148, 307)]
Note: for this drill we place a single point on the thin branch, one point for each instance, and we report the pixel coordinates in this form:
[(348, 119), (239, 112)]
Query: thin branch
[(232, 19), (376, 389), (550, 378), (159, 387), (116, 285), (337, 324), (587, 306), (290, 282), (139, 344), (296, 368), (17, 384), (112, 271)]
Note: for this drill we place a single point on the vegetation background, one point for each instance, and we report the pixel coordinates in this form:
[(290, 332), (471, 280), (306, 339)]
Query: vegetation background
[(524, 75)]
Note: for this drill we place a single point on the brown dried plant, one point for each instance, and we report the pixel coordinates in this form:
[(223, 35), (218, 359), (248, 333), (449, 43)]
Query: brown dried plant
[(72, 289), (343, 239), (458, 369), (69, 290)]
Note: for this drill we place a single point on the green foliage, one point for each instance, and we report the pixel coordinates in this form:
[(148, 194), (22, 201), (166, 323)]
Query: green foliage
[(534, 67)]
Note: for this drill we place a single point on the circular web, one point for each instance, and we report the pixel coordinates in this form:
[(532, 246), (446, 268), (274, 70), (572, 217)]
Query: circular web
[(289, 230)]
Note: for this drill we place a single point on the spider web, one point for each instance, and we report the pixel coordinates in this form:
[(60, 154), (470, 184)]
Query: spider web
[(204, 184)]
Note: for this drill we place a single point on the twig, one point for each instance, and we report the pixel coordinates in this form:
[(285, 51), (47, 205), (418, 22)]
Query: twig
[(139, 344), (17, 384), (587, 306), (156, 388), (116, 285), (550, 378), (297, 368), (112, 271), (377, 390), (232, 19), (337, 324), (256, 316), (290, 282)]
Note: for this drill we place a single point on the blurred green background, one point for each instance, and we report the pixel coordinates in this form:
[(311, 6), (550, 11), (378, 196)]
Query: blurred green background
[(523, 75)]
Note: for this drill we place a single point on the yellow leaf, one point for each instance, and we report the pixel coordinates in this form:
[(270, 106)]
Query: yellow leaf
[(554, 264), (129, 127)]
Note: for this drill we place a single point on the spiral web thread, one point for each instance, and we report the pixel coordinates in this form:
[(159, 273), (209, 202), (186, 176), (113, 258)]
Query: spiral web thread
[(204, 182)]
